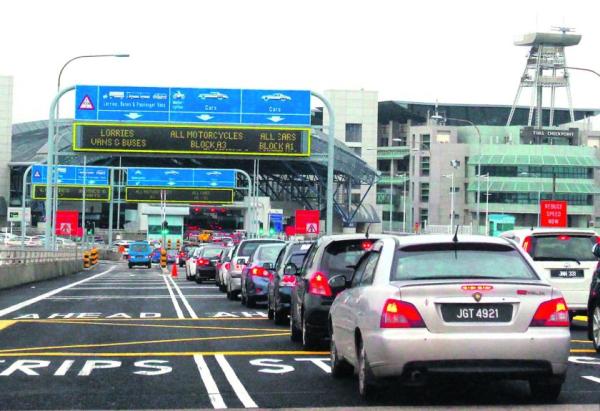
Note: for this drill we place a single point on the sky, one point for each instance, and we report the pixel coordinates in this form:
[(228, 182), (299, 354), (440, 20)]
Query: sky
[(451, 51)]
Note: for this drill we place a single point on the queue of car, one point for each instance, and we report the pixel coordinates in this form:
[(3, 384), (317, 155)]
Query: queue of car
[(415, 308)]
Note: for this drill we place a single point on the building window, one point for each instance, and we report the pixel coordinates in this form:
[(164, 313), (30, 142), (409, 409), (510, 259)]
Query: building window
[(423, 216), (412, 141), (532, 198), (353, 133), (538, 171), (425, 141), (424, 166), (355, 198), (443, 137), (425, 192)]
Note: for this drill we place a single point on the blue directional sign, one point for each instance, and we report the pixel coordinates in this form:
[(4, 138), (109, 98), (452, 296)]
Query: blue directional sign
[(192, 105), (180, 177), (276, 222), (72, 175)]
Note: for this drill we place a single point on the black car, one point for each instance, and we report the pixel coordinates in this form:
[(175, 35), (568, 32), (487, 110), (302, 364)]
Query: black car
[(206, 263), (280, 284), (594, 305), (312, 296)]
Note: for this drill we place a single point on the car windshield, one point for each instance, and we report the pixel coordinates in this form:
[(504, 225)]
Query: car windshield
[(211, 252), (460, 261), (247, 249), (566, 247), (140, 248), (340, 257), (268, 253)]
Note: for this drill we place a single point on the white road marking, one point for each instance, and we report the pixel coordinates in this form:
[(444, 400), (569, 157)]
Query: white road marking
[(133, 288), (235, 383), (133, 297), (175, 303), (211, 387), (44, 296), (589, 377), (184, 300)]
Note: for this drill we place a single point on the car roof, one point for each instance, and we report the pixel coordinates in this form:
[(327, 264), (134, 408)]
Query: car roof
[(548, 230), (448, 238), (346, 237)]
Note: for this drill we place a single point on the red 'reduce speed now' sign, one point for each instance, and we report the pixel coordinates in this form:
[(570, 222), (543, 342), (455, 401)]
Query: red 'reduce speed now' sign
[(553, 213)]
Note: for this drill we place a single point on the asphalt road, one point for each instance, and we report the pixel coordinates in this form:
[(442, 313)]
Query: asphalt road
[(113, 338)]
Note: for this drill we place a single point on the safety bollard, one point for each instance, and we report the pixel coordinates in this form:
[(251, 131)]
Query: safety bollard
[(163, 258), (86, 259), (94, 256)]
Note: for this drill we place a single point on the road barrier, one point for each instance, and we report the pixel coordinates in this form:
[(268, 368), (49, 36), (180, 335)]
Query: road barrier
[(86, 259), (94, 256), (163, 258), (11, 257)]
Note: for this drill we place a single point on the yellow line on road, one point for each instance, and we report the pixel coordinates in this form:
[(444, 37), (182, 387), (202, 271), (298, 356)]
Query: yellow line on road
[(581, 318), (75, 320), (581, 341), (582, 350), (6, 323), (120, 344), (161, 354), (193, 327)]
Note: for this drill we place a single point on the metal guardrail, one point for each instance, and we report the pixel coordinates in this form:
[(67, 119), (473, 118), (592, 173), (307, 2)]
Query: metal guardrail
[(12, 257)]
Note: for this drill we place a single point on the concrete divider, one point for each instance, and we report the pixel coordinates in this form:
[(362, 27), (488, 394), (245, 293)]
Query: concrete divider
[(110, 255), (18, 274)]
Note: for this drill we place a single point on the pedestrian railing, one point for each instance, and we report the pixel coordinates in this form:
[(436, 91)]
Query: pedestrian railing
[(11, 257)]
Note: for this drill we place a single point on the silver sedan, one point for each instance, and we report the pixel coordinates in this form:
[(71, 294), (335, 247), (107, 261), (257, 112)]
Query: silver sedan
[(421, 307)]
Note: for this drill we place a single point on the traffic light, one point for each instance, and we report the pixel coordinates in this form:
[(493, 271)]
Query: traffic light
[(164, 229), (271, 231), (261, 230), (89, 227)]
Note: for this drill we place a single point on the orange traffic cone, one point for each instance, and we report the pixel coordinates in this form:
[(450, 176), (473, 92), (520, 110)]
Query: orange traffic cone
[(174, 271)]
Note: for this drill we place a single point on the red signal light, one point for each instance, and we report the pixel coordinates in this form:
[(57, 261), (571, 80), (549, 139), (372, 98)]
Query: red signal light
[(366, 245), (563, 238), (476, 287)]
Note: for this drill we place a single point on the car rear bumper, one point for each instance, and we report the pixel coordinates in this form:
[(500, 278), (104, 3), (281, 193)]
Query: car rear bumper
[(206, 272), (257, 288), (235, 283), (537, 351)]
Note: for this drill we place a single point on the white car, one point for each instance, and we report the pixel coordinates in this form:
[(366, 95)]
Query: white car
[(562, 256), (276, 96), (461, 307), (213, 95)]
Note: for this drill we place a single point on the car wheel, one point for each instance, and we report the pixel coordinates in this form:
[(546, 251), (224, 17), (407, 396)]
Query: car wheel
[(130, 266), (242, 297), (230, 295), (595, 320), (545, 390), (339, 367), (295, 333), (198, 279), (222, 288), (366, 386), (250, 301), (309, 341), (149, 265), (270, 314)]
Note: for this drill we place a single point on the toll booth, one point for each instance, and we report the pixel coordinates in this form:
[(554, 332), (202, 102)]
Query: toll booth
[(151, 220), (499, 223)]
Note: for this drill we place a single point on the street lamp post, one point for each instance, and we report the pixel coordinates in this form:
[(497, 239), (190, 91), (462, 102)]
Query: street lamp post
[(50, 216), (438, 117)]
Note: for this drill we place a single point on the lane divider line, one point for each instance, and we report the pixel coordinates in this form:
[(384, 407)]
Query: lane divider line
[(126, 343), (163, 354), (589, 377), (41, 297), (184, 300), (209, 383), (174, 300), (235, 382), (76, 320), (6, 323), (192, 327)]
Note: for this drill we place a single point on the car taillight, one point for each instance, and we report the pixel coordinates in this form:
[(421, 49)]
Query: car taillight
[(553, 313), (318, 285), (527, 244), (203, 261), (182, 254), (259, 272), (400, 314), (597, 238), (227, 266), (288, 281)]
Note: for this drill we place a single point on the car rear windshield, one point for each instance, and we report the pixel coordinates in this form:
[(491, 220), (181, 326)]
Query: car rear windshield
[(341, 257), (460, 261), (248, 247), (268, 253), (557, 247), (211, 252), (297, 259), (140, 248)]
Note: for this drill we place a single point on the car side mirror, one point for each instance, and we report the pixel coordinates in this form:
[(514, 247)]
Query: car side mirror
[(241, 261), (596, 250), (268, 266), (290, 269), (338, 283)]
